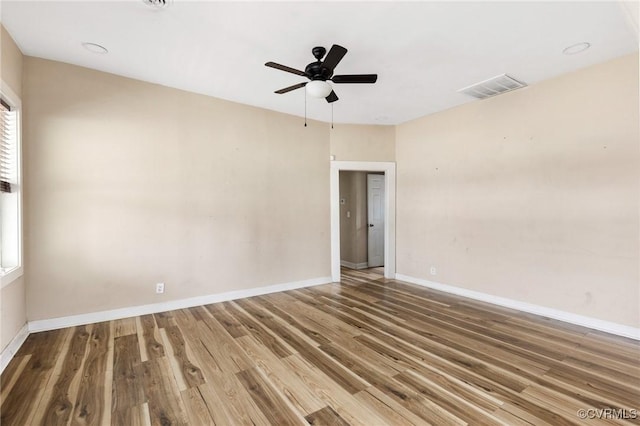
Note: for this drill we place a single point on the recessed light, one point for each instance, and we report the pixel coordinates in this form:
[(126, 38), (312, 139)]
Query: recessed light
[(576, 48), (95, 48), (158, 4)]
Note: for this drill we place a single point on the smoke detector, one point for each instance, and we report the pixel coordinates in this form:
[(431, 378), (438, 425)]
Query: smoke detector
[(158, 4), (494, 86)]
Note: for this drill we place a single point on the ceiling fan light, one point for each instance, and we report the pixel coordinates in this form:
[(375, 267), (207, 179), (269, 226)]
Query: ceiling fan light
[(318, 88)]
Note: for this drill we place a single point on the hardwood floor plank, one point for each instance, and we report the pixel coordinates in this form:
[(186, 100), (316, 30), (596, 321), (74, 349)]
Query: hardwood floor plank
[(449, 401), (161, 391), (386, 407), (12, 373), (199, 313), (47, 392), (230, 403), (196, 407), (319, 321), (131, 416), (223, 348), (164, 319), (269, 340), (581, 394), (349, 381), (90, 402), (191, 373), (124, 327), (127, 373), (108, 376), (560, 402), (609, 389), (24, 398), (272, 404), (287, 383), (232, 325), (151, 337), (219, 357), (600, 348), (367, 351), (59, 408), (411, 400), (602, 366), (332, 393), (312, 334), (326, 416), (472, 390), (515, 416), (142, 345)]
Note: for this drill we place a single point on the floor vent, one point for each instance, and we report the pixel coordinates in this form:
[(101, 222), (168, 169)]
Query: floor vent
[(492, 87)]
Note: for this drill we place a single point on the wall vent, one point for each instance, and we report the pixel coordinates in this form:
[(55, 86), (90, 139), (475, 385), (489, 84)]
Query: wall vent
[(492, 87)]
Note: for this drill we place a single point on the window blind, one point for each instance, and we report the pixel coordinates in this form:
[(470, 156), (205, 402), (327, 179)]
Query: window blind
[(8, 166)]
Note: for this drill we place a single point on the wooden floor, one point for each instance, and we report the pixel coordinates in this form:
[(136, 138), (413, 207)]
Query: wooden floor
[(367, 351)]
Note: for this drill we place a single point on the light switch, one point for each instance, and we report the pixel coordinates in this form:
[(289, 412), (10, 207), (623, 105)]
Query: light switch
[(348, 215)]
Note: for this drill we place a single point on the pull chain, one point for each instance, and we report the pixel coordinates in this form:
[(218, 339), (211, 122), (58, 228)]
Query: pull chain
[(305, 108), (332, 115)]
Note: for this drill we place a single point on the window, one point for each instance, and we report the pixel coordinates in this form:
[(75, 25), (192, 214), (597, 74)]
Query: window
[(10, 188)]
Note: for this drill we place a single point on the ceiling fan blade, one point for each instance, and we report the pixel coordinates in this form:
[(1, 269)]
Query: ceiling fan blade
[(355, 78), (285, 68), (334, 56), (332, 97), (290, 88)]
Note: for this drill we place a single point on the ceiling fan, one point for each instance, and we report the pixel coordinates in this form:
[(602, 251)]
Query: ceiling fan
[(321, 71)]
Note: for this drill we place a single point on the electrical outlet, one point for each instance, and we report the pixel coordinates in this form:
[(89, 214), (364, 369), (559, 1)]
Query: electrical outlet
[(160, 288), (433, 270)]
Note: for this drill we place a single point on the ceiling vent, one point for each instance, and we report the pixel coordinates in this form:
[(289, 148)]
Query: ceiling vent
[(492, 87)]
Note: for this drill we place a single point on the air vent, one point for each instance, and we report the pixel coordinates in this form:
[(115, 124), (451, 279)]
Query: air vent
[(492, 87)]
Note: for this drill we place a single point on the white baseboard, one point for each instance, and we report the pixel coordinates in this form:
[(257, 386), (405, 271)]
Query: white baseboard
[(114, 314), (594, 323), (351, 265), (13, 346)]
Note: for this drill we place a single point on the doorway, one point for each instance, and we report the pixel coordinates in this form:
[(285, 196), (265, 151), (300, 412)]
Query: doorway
[(389, 170), (375, 220)]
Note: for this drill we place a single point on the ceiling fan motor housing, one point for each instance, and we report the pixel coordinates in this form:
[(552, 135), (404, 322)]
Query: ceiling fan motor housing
[(315, 71)]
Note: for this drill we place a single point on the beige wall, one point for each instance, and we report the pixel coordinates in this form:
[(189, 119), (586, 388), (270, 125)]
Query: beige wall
[(356, 142), (130, 184), (12, 297), (10, 62), (353, 229), (532, 195), (13, 310)]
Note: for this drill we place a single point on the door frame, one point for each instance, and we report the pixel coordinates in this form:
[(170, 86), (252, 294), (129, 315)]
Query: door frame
[(389, 169)]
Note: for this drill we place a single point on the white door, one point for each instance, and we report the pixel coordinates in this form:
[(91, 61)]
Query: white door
[(375, 218)]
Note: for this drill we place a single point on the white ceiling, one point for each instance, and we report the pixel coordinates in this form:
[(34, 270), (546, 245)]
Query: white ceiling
[(423, 52)]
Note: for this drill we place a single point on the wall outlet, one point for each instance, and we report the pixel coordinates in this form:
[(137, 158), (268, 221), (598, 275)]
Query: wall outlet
[(160, 288), (433, 270)]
